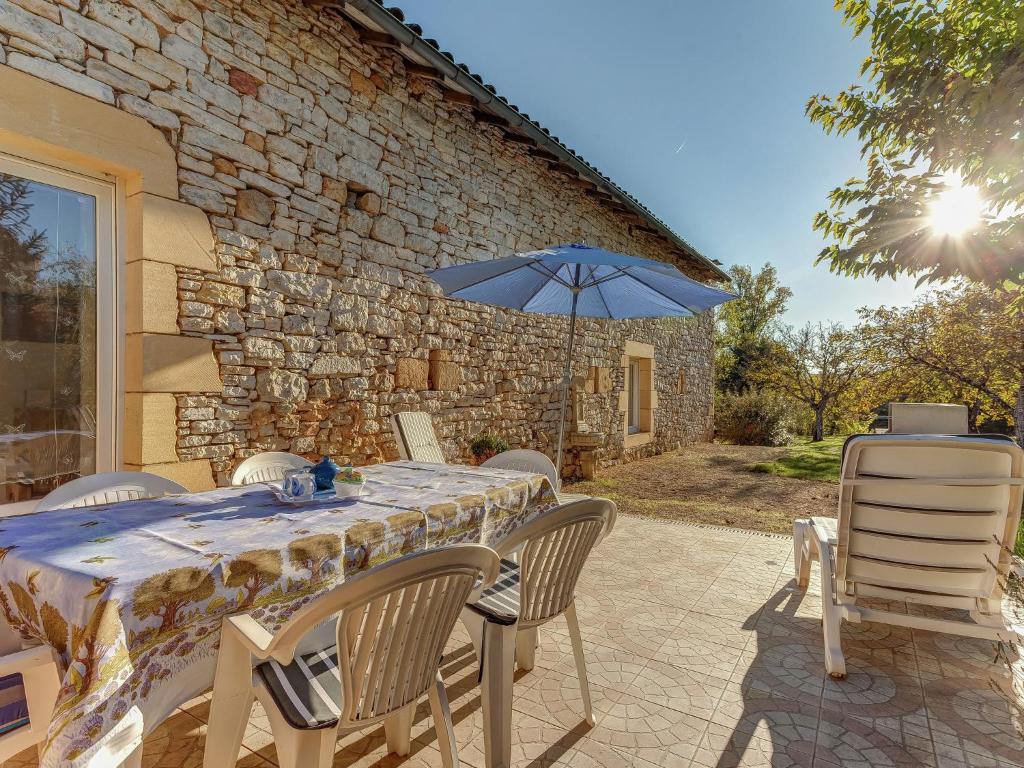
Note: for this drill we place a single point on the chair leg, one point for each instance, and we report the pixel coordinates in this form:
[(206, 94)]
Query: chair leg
[(398, 731), (801, 559), (831, 616), (581, 663), (442, 716), (835, 664), (134, 760), (496, 693), (231, 705), (474, 624), (526, 648), (298, 748)]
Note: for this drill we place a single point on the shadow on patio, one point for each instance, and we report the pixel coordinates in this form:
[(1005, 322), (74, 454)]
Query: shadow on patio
[(701, 652)]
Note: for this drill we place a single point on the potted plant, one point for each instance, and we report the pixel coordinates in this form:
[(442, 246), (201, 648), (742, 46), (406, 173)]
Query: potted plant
[(485, 445)]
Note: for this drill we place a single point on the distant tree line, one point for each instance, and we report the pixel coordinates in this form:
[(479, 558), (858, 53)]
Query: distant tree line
[(963, 344)]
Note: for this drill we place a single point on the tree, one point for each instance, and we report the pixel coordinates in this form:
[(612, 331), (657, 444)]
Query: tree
[(314, 554), (943, 96), (962, 345), (21, 248), (747, 325), (360, 540), (167, 593), (820, 364), (253, 571), (411, 526)]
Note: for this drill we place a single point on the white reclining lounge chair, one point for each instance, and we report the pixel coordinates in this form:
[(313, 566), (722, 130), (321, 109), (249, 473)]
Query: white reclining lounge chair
[(927, 419), (414, 433), (923, 519)]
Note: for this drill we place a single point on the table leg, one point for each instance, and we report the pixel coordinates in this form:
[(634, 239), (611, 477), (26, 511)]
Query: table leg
[(496, 692), (231, 704), (134, 760)]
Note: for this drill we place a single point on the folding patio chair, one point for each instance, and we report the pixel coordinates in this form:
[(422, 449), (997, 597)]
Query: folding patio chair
[(414, 433), (925, 520)]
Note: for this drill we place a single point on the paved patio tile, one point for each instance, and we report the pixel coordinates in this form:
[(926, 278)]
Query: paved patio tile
[(701, 651)]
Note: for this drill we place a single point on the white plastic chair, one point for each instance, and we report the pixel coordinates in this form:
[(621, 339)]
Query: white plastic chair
[(29, 684), (267, 467), (927, 419), (503, 621), (414, 433), (392, 625), (527, 460), (108, 488), (922, 519)]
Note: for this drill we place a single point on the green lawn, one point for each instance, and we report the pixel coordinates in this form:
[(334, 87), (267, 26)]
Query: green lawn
[(805, 460)]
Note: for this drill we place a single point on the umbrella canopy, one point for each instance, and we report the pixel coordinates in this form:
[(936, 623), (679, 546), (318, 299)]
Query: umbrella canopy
[(579, 280), (604, 284)]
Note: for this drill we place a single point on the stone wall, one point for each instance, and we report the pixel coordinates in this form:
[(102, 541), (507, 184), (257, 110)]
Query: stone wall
[(332, 181)]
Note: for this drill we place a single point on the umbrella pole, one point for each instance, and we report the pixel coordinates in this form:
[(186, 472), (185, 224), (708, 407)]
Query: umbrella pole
[(565, 381)]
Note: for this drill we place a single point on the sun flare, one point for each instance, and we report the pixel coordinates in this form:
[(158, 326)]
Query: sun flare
[(956, 210)]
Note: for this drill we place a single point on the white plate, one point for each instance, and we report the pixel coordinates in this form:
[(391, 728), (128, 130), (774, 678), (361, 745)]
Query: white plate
[(349, 490)]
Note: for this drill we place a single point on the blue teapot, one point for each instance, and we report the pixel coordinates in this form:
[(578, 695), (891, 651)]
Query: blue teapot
[(324, 473)]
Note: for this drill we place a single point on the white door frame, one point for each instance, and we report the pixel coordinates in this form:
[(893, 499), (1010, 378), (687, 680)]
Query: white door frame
[(109, 315)]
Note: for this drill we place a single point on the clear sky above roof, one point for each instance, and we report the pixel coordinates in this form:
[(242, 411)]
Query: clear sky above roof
[(694, 107)]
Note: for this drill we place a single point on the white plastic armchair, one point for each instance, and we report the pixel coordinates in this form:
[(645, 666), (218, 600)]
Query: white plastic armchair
[(392, 623), (922, 519), (527, 460), (503, 621), (414, 434), (108, 488), (29, 684), (267, 467)]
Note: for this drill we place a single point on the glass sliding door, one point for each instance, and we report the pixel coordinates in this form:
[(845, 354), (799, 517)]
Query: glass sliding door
[(57, 298)]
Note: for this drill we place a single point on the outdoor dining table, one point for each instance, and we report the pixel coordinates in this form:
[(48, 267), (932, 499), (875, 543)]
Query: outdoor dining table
[(132, 595)]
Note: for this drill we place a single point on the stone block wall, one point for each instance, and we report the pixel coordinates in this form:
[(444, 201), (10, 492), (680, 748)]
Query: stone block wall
[(332, 179)]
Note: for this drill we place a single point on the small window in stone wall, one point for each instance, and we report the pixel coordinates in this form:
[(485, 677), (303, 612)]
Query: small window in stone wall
[(681, 384), (444, 376), (437, 372)]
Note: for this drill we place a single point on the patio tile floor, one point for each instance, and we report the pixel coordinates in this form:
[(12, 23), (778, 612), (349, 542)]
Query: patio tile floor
[(701, 652)]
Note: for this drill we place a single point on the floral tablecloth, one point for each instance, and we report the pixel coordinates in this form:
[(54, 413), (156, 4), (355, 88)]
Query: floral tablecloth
[(131, 595)]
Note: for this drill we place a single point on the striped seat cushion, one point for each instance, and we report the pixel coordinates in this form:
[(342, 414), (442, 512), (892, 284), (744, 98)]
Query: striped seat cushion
[(13, 707), (500, 601), (307, 691)]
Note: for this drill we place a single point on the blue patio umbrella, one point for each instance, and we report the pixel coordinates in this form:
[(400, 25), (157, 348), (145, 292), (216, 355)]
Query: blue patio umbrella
[(579, 281)]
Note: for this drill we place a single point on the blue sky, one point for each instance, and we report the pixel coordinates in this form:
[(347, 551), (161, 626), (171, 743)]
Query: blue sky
[(696, 108)]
